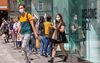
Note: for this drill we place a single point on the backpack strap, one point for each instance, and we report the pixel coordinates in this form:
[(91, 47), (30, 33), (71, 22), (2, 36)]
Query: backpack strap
[(27, 16)]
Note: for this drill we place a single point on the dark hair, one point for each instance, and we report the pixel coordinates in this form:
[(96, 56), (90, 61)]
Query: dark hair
[(41, 19), (48, 18), (21, 5), (18, 17), (60, 16)]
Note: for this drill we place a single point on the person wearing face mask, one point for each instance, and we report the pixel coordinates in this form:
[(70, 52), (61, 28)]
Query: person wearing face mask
[(78, 37), (60, 27), (75, 30), (26, 28)]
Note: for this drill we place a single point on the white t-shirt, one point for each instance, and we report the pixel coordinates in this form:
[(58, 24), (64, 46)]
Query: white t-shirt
[(16, 25)]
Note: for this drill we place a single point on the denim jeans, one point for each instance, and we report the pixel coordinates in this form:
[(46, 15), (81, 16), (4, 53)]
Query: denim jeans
[(49, 49), (42, 44), (32, 43), (47, 46)]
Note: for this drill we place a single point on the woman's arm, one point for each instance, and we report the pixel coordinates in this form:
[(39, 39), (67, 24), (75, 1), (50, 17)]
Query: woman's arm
[(62, 29)]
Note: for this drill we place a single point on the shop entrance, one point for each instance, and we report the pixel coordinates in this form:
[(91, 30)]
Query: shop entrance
[(3, 14)]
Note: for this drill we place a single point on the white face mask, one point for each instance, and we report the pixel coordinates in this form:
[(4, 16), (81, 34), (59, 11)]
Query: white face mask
[(75, 17), (58, 19), (21, 10)]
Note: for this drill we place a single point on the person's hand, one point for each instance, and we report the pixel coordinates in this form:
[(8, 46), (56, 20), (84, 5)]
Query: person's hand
[(54, 27), (36, 36)]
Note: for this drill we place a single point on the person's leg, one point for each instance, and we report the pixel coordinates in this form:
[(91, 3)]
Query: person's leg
[(72, 44), (20, 44), (30, 46), (17, 44), (62, 48), (41, 46), (82, 49), (8, 36), (53, 53), (34, 43), (77, 47), (46, 43), (63, 51), (13, 39), (50, 48), (25, 42)]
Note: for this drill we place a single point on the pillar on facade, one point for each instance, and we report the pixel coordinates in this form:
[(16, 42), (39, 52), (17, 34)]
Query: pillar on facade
[(28, 5)]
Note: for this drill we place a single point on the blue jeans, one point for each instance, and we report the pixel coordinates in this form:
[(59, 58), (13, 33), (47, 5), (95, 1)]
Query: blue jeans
[(18, 43), (42, 44), (47, 46), (49, 50), (32, 43)]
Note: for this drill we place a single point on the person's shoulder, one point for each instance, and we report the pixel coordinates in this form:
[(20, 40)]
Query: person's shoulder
[(63, 23), (29, 14), (48, 23), (45, 22), (18, 22)]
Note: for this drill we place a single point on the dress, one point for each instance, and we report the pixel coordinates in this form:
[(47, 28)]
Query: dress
[(61, 35)]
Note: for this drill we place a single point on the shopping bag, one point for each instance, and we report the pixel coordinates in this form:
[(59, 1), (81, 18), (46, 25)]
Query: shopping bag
[(57, 37), (38, 42), (54, 36)]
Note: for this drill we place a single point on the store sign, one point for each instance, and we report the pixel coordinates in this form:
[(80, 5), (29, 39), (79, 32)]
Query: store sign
[(89, 13), (3, 4)]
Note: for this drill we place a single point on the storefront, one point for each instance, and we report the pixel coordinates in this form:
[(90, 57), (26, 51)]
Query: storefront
[(3, 9), (88, 17)]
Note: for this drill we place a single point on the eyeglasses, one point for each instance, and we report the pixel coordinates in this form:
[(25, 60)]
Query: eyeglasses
[(21, 7)]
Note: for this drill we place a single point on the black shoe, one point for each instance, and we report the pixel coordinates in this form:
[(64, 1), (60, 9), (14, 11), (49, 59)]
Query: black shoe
[(46, 55), (42, 54), (51, 60), (64, 59), (28, 61), (80, 60)]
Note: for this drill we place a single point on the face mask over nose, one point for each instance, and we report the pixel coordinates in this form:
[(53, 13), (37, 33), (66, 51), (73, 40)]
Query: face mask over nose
[(21, 10), (75, 17), (58, 19)]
